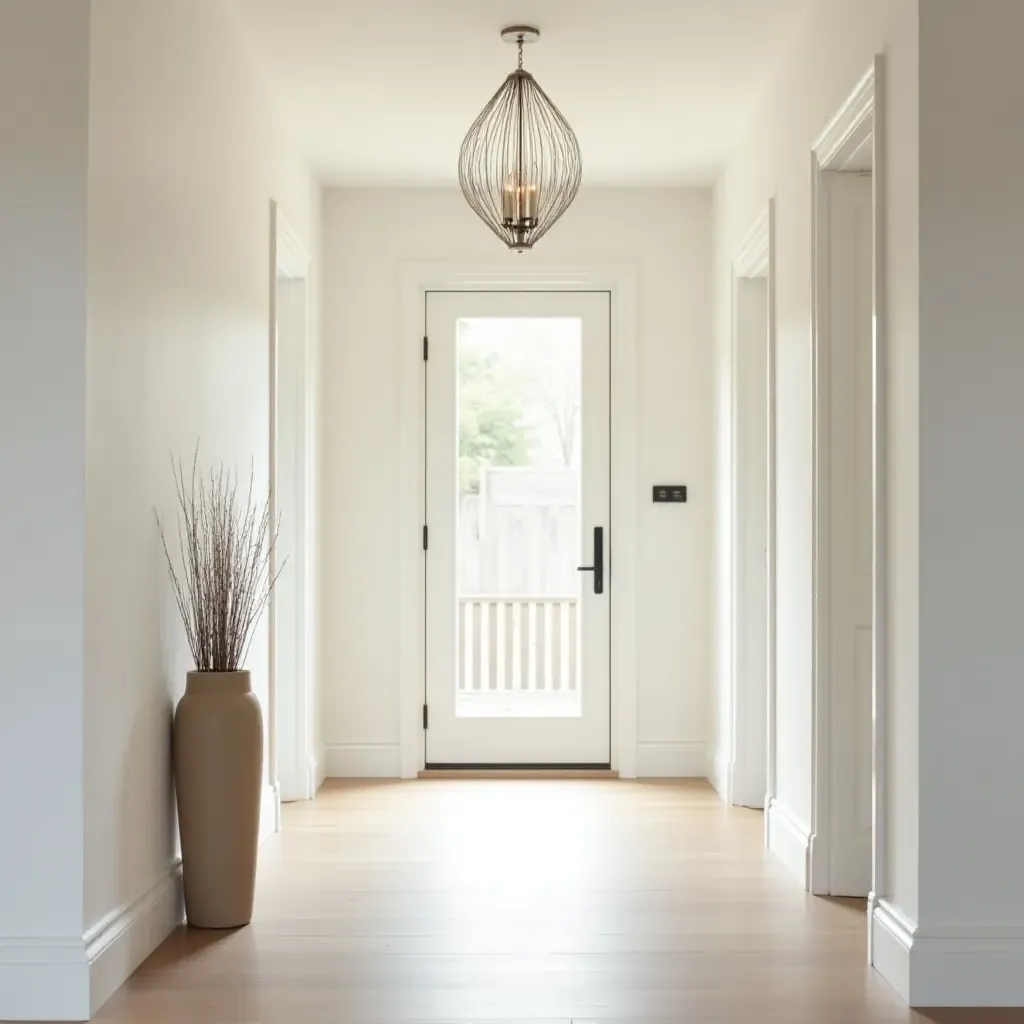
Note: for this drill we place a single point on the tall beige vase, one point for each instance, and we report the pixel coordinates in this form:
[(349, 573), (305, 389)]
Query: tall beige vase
[(218, 777)]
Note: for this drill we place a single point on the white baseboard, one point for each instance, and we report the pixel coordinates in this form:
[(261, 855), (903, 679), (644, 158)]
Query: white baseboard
[(292, 785), (741, 792), (685, 760), (948, 965), (303, 782), (69, 979), (819, 866), (967, 967), (719, 774), (270, 812), (892, 936), (363, 761), (788, 840), (312, 785), (319, 769), (44, 979), (117, 945), (383, 760)]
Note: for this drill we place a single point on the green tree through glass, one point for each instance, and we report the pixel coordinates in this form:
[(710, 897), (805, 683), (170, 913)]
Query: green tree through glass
[(492, 431)]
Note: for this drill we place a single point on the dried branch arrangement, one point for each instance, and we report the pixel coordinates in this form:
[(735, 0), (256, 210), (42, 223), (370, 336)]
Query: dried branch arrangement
[(224, 579)]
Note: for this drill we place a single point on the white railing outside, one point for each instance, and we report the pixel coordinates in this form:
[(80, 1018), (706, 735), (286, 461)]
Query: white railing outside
[(510, 644)]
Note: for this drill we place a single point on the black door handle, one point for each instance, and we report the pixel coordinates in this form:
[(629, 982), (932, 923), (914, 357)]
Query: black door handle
[(598, 567)]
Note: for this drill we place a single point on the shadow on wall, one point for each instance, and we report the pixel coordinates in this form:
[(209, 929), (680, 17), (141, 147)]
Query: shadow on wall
[(149, 746)]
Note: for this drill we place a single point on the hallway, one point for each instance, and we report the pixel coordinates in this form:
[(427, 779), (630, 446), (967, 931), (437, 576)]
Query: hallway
[(522, 901)]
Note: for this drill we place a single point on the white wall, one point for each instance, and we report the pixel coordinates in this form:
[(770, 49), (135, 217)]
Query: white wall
[(186, 150), (831, 53), (972, 490), (43, 165), (666, 233)]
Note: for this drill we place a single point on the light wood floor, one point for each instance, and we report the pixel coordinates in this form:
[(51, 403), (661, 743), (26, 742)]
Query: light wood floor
[(527, 900)]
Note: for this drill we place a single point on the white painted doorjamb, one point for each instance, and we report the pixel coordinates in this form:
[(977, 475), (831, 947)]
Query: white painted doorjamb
[(620, 280), (288, 258), (859, 116), (753, 259), (772, 789), (880, 533)]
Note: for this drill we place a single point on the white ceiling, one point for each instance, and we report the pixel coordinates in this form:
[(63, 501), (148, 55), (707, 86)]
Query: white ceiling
[(382, 91)]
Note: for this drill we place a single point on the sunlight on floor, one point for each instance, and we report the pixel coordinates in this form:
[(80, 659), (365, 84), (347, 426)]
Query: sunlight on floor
[(493, 900)]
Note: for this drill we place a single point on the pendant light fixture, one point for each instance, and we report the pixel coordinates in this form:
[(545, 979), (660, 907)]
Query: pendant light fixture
[(519, 166)]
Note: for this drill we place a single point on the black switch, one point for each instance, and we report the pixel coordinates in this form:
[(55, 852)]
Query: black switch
[(669, 492)]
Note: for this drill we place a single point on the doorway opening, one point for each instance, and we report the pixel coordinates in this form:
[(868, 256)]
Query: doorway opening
[(848, 523), (517, 543), (747, 781), (616, 285), (291, 763)]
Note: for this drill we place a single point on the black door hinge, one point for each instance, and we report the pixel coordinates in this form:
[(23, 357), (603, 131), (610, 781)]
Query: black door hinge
[(426, 348), (425, 716), (425, 538)]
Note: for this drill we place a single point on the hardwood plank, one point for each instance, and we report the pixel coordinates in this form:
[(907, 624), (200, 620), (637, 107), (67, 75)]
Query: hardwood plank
[(529, 900)]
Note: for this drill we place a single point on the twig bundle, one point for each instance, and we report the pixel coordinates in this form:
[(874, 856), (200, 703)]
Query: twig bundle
[(225, 579)]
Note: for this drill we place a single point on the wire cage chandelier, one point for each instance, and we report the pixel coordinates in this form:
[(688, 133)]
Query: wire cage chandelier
[(520, 166)]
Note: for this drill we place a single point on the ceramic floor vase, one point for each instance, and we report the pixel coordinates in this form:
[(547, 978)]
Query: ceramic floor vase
[(218, 774)]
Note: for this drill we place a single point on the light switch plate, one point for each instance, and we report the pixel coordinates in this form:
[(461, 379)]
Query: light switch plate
[(669, 492)]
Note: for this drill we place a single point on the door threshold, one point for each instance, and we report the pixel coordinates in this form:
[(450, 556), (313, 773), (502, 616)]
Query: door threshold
[(518, 771)]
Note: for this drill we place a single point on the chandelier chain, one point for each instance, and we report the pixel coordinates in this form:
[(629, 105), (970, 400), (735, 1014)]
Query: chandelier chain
[(520, 41)]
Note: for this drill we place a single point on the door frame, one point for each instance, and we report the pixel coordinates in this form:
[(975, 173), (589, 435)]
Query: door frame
[(755, 258), (574, 741), (860, 115), (416, 280), (298, 780)]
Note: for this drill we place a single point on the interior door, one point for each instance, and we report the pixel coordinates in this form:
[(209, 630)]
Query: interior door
[(750, 741), (518, 538), (288, 612), (851, 549)]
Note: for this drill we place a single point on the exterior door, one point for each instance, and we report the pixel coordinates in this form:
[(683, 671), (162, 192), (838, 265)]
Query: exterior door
[(518, 539)]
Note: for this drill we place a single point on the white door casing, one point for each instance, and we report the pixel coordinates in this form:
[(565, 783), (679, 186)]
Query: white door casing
[(855, 136), (621, 282), (522, 649)]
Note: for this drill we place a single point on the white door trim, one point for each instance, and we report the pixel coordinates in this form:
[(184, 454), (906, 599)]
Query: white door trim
[(416, 279), (754, 258), (288, 258), (861, 115)]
